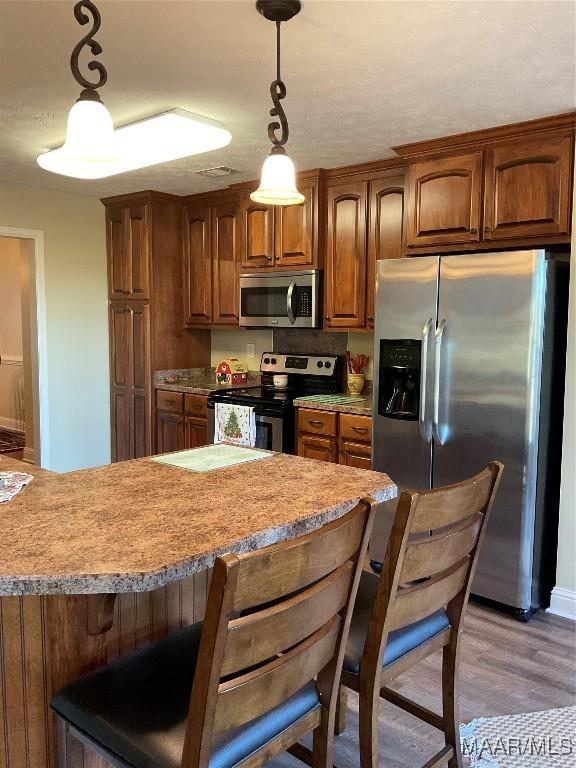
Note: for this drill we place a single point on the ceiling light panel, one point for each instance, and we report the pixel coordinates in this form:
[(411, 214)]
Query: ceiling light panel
[(168, 136)]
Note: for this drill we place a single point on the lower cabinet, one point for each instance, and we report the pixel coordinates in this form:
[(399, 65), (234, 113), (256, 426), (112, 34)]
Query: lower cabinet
[(182, 421), (343, 438)]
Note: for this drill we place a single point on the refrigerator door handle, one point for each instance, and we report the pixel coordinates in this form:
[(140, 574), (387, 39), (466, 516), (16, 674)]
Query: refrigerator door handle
[(437, 368), (422, 423)]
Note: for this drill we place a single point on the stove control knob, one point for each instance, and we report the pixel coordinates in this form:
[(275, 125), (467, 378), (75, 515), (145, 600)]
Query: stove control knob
[(319, 363), (327, 364), (266, 360), (273, 361)]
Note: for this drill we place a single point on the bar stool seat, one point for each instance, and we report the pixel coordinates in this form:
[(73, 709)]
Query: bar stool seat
[(400, 641), (137, 708)]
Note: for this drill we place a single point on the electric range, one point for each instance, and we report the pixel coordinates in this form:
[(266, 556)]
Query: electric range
[(274, 406)]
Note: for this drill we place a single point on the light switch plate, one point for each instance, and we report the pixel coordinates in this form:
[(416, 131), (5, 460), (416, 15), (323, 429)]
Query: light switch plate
[(250, 350)]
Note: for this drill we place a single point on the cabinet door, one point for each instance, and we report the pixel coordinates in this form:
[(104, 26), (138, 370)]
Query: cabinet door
[(120, 423), (527, 188), (197, 265), (256, 234), (355, 455), (345, 287), (195, 433), (294, 231), (319, 448), (118, 265), (385, 230), (170, 435), (444, 200), (225, 263), (137, 246)]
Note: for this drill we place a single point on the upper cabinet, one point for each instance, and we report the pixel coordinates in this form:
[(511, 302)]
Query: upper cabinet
[(527, 188), (445, 200), (282, 238), (211, 252), (197, 264), (385, 229), (128, 251), (502, 185), (345, 279)]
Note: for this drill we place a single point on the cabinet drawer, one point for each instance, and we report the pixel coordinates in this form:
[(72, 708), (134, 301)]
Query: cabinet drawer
[(358, 428), (170, 401), (317, 422), (355, 455), (195, 405)]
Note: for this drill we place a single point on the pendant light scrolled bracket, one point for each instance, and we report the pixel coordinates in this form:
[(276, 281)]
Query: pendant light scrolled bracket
[(277, 92), (85, 12)]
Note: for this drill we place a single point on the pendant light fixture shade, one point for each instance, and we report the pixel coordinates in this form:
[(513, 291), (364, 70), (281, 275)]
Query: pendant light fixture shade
[(278, 179)]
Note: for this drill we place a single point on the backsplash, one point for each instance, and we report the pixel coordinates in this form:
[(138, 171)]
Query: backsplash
[(297, 341)]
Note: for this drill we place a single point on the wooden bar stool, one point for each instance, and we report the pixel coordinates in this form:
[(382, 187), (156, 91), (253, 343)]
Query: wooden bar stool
[(262, 669), (417, 605)]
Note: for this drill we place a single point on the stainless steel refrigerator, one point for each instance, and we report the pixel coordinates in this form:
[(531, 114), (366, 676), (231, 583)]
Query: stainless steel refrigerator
[(469, 366)]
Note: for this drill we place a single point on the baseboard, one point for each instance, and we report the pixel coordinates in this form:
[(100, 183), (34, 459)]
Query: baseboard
[(14, 425), (563, 603), (29, 455)]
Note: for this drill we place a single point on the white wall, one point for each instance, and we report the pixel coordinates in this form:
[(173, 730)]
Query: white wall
[(76, 317), (564, 594)]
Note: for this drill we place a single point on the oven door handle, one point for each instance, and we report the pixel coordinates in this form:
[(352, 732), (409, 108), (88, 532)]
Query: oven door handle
[(290, 302)]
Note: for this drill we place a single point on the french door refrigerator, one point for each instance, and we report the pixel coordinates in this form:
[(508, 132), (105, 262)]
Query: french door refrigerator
[(469, 367)]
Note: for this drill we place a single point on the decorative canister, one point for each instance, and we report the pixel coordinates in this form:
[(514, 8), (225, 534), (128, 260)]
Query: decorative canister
[(231, 371), (355, 383)]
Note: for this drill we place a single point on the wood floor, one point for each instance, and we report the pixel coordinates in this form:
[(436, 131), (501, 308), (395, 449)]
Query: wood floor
[(506, 667)]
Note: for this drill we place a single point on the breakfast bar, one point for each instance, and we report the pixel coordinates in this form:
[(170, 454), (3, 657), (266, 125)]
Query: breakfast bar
[(97, 562)]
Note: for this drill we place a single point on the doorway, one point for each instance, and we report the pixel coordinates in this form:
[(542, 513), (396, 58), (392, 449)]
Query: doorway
[(23, 391)]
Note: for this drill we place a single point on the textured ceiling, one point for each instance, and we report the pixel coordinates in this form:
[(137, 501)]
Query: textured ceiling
[(361, 77)]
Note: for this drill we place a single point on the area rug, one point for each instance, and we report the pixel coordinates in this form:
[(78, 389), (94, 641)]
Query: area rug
[(544, 739), (11, 441)]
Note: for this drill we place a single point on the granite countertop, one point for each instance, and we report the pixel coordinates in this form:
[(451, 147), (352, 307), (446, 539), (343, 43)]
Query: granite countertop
[(137, 525), (198, 381), (362, 406)]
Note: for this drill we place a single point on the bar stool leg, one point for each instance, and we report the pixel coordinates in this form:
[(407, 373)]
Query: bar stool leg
[(450, 702), (369, 706)]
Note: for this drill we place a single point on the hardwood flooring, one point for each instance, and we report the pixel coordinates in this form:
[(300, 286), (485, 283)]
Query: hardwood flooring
[(506, 667)]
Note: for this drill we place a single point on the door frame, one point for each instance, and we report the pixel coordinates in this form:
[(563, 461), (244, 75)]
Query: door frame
[(38, 345)]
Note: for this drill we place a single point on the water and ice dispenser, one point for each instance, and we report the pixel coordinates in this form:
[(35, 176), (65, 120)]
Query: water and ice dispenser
[(399, 379)]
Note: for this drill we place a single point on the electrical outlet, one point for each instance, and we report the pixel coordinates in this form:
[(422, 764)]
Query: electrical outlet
[(250, 350)]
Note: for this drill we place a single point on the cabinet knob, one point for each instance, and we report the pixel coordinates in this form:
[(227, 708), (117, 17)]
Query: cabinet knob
[(370, 318), (327, 317), (269, 258), (486, 229), (473, 230)]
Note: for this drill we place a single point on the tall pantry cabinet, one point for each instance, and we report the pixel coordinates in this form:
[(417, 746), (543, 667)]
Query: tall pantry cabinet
[(146, 306)]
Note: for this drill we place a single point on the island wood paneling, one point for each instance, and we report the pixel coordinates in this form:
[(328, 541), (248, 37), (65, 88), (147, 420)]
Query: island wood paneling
[(44, 644)]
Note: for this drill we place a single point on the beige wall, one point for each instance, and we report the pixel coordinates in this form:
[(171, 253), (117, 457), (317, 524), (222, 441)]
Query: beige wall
[(11, 358), (76, 319), (233, 344), (564, 594)]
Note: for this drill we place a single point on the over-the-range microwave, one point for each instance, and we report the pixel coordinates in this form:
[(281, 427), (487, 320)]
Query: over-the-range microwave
[(281, 299)]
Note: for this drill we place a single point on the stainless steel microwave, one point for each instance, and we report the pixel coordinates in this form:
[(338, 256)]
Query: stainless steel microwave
[(281, 299)]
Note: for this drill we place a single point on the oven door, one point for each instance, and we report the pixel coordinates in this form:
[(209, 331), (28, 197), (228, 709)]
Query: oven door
[(280, 300), (269, 431)]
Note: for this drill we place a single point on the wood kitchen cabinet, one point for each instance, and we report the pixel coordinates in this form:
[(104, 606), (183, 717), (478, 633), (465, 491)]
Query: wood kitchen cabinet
[(343, 438), (128, 251), (527, 188), (211, 261), (130, 379), (445, 200), (283, 238), (182, 421), (385, 229), (345, 278), (146, 289)]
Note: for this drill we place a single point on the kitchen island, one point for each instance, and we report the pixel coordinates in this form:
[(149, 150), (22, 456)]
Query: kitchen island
[(94, 563)]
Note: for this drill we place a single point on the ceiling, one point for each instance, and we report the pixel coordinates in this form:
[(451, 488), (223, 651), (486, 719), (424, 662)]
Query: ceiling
[(362, 76)]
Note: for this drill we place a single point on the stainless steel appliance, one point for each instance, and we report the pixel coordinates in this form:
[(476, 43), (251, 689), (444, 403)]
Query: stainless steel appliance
[(274, 406), (470, 357), (281, 299)]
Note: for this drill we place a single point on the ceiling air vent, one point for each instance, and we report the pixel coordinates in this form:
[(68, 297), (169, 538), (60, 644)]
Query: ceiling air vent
[(217, 172)]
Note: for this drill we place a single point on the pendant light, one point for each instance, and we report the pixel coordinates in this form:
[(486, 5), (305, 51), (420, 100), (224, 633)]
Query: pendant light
[(90, 140), (278, 179)]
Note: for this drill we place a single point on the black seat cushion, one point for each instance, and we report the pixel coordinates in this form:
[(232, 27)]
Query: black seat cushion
[(400, 642), (136, 708)]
